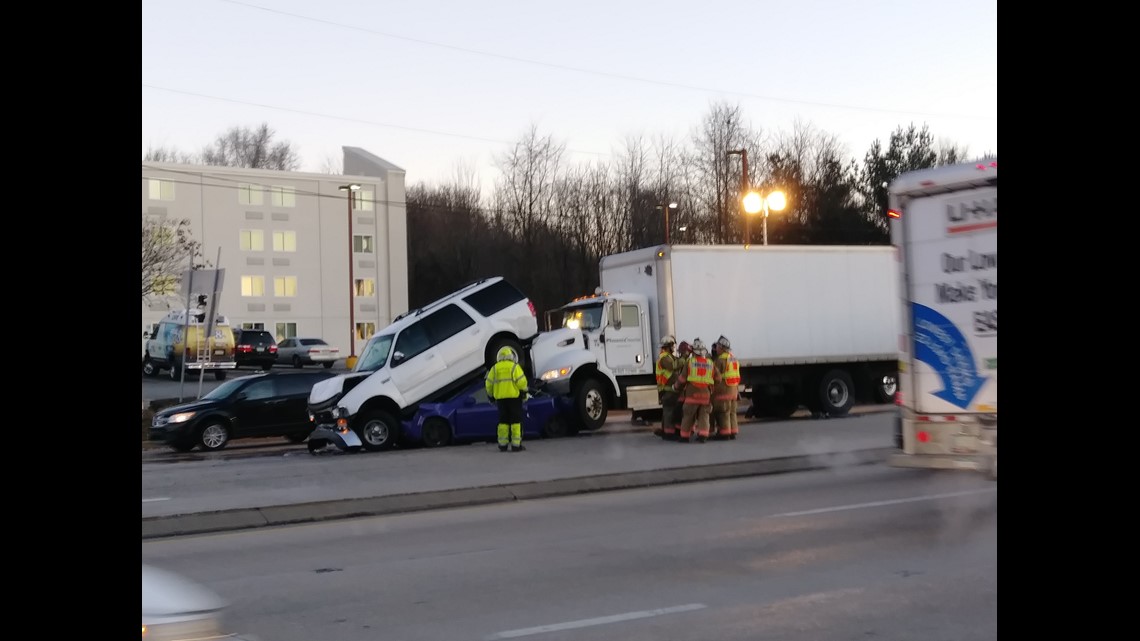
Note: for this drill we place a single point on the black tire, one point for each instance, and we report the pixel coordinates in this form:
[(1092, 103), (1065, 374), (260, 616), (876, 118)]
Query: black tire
[(297, 362), (266, 367), (886, 384), (378, 431), (436, 432), (499, 343), (317, 444), (219, 375), (149, 369), (590, 404), (214, 436), (328, 364), (298, 437), (836, 393), (556, 427)]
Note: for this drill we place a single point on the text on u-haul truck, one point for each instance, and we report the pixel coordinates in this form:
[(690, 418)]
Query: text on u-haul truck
[(944, 229)]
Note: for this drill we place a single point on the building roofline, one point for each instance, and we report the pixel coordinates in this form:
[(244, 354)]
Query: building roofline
[(244, 171), (373, 158)]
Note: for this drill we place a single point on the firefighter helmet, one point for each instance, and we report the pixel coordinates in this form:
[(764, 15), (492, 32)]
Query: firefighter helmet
[(699, 347), (668, 340), (723, 342)]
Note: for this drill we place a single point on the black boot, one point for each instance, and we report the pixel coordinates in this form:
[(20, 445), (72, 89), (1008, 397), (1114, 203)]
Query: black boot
[(520, 448), (502, 448)]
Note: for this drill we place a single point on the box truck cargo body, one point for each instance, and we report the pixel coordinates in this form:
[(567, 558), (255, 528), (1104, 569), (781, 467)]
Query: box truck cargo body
[(944, 224)]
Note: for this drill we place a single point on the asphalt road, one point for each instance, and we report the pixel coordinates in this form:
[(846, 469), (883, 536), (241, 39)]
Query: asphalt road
[(852, 553)]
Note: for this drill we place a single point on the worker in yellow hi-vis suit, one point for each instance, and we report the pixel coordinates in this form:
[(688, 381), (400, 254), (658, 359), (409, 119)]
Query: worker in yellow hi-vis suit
[(506, 385)]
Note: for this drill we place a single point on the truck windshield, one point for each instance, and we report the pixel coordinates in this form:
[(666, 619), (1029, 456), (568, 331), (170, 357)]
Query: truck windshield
[(375, 354), (584, 317)]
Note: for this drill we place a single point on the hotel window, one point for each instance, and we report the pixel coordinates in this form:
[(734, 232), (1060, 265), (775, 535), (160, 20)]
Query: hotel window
[(252, 285), (160, 189), (284, 241), (365, 287), (285, 286), (363, 244), (250, 194), (362, 200), (283, 196), (286, 330), (364, 331), (164, 285), (252, 240)]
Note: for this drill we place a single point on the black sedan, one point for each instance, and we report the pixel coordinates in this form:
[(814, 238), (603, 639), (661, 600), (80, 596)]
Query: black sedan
[(266, 404)]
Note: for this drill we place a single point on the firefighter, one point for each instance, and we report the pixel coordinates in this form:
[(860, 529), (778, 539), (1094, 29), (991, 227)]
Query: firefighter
[(506, 385), (666, 371), (697, 380), (726, 391), (684, 352)]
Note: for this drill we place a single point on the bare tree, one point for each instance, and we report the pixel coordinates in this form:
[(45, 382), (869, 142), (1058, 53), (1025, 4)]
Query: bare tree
[(163, 153), (167, 249), (252, 148), (332, 165), (721, 131)]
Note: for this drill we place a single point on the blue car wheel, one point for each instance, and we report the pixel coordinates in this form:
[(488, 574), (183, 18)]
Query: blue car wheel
[(436, 432)]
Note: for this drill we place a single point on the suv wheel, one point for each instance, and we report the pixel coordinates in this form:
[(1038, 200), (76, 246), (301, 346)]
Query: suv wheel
[(377, 431), (500, 343)]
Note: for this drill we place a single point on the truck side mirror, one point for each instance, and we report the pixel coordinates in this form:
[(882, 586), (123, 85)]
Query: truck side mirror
[(615, 314)]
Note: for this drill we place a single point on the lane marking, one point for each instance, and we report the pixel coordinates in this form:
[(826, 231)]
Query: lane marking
[(158, 499), (583, 623), (859, 506)]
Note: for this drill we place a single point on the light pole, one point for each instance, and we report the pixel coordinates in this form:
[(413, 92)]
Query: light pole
[(743, 153), (350, 362), (666, 209)]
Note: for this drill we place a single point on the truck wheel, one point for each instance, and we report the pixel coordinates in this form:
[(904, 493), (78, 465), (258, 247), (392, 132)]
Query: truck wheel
[(149, 368), (886, 384), (219, 375), (836, 393), (590, 404), (378, 431)]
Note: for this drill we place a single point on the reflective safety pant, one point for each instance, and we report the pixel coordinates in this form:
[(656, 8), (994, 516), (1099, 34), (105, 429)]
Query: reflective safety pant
[(669, 421), (697, 413), (726, 421), (510, 421)]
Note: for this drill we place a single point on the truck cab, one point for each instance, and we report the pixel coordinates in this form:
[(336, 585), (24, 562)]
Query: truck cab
[(618, 342)]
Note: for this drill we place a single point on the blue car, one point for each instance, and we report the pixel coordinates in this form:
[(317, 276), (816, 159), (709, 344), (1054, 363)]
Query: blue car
[(471, 416)]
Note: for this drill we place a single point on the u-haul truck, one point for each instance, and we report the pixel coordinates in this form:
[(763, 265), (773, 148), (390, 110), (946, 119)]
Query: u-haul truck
[(944, 229)]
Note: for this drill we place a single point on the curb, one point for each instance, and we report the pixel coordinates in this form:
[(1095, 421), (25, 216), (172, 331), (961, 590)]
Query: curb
[(249, 518)]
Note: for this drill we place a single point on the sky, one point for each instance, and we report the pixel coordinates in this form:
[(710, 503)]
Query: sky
[(434, 86)]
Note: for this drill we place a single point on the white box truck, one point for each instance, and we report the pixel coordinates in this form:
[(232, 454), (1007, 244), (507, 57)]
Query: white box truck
[(944, 226), (810, 325)]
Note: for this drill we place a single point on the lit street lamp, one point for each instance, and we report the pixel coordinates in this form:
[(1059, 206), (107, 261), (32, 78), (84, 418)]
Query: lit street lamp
[(351, 361), (666, 209), (754, 203)]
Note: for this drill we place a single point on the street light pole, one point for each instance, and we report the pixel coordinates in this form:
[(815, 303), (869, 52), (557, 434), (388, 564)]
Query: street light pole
[(351, 361), (666, 209), (743, 153)]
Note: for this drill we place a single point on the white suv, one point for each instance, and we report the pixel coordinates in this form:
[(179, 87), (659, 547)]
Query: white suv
[(425, 355)]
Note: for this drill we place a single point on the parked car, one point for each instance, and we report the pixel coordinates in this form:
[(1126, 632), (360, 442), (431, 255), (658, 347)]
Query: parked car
[(299, 352), (263, 404), (174, 607), (255, 348)]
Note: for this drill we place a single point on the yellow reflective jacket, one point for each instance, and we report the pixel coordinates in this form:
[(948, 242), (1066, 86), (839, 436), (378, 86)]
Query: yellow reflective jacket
[(505, 380)]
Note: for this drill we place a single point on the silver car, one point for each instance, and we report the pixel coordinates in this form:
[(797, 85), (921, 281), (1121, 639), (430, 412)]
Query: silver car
[(299, 352), (175, 608)]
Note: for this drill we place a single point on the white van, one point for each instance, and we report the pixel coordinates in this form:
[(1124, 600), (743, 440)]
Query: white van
[(426, 355)]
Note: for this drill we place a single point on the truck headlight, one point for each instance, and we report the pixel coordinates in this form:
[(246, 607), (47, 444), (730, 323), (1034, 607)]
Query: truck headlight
[(181, 417), (556, 374)]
